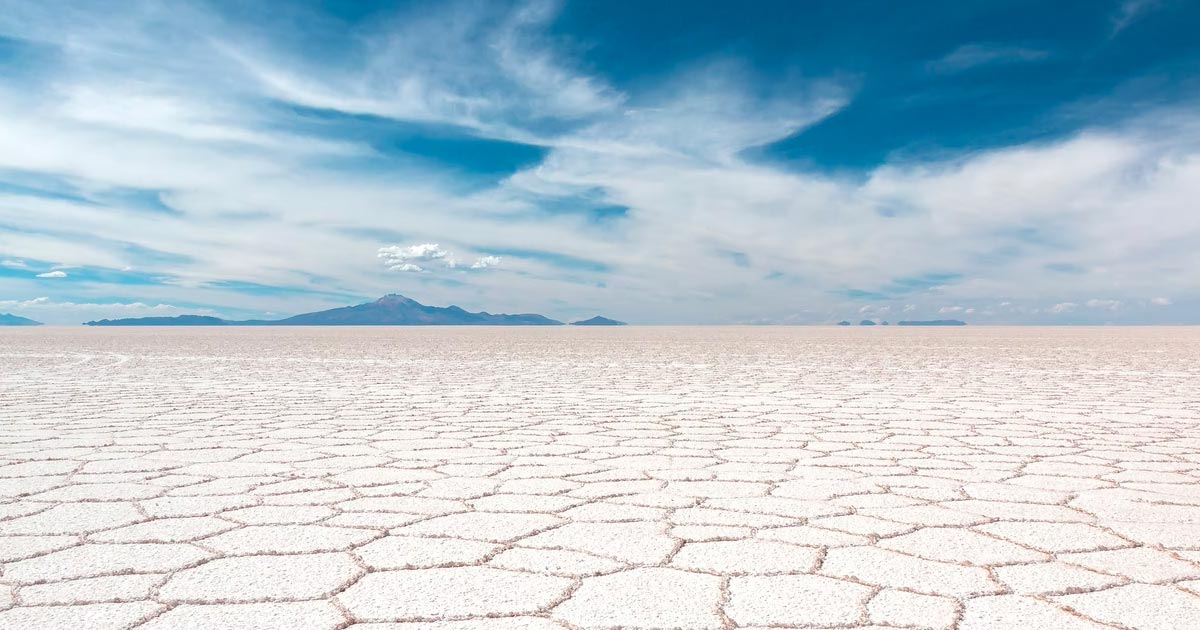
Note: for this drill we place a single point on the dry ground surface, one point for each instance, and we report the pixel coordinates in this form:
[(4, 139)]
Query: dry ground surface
[(541, 479)]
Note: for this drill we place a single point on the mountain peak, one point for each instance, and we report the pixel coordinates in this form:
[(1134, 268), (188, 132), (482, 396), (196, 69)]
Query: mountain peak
[(396, 299)]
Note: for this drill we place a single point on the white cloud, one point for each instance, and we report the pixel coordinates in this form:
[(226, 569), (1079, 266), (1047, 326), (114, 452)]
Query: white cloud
[(53, 274), (412, 257), (401, 258), (1161, 301), (1110, 305), (1063, 307), (14, 264)]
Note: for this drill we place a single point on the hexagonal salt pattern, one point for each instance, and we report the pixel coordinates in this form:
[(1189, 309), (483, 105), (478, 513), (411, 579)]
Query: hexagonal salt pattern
[(635, 478)]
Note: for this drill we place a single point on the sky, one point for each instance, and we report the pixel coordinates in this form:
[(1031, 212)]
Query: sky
[(1006, 162)]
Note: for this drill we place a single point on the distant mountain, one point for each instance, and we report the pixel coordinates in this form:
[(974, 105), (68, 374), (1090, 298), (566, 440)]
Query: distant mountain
[(866, 322), (178, 320), (843, 323), (389, 310), (397, 310), (7, 319), (598, 321), (934, 322)]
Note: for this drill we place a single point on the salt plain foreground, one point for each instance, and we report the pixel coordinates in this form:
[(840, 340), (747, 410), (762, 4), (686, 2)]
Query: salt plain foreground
[(512, 478)]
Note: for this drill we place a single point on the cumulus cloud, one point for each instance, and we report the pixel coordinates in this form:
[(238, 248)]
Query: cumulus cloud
[(423, 257), (1110, 305), (53, 274), (1063, 307), (401, 258), (483, 262)]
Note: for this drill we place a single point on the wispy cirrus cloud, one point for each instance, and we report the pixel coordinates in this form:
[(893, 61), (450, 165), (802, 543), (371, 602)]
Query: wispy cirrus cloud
[(1130, 11), (974, 55)]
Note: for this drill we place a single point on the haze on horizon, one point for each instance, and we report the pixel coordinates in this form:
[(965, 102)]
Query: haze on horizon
[(698, 163)]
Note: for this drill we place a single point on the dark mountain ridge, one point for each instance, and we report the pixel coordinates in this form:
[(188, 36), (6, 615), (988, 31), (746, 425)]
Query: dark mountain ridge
[(178, 320)]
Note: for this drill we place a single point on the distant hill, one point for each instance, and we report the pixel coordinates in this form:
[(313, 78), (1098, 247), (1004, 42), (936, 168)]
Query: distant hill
[(389, 310), (178, 320), (598, 321), (7, 319), (934, 322), (866, 322)]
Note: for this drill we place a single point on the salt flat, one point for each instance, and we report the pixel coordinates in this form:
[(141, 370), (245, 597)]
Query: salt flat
[(549, 478)]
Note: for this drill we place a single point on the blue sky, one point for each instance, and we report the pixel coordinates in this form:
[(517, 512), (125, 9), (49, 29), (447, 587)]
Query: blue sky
[(701, 162)]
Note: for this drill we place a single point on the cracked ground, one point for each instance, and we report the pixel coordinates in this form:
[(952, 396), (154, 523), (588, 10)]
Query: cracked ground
[(549, 479)]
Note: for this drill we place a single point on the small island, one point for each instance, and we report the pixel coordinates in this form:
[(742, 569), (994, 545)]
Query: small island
[(598, 321), (843, 323), (866, 322), (8, 319)]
